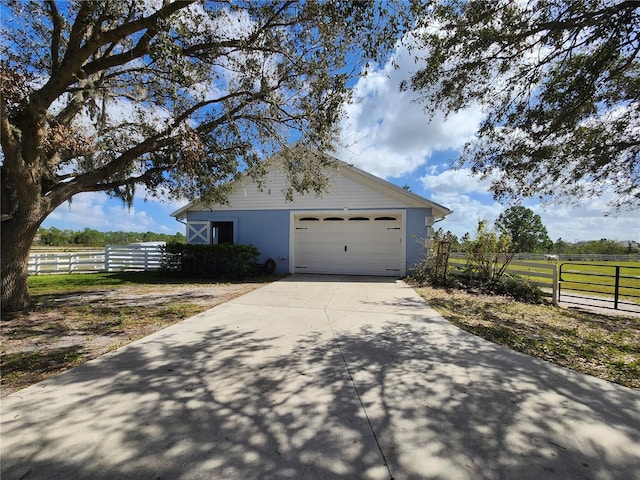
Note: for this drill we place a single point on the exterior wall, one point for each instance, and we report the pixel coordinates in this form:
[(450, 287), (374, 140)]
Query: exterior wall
[(416, 234), (270, 230), (266, 229), (345, 192)]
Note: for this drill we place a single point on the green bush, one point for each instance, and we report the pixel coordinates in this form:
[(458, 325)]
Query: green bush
[(522, 289), (210, 261), (423, 273), (513, 286), (420, 273)]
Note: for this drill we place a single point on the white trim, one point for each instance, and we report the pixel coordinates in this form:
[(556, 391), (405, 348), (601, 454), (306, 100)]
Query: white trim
[(292, 240), (198, 228), (403, 249), (344, 212)]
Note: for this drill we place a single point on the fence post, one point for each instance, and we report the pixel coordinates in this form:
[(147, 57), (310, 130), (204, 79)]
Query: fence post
[(617, 288), (555, 285), (106, 258)]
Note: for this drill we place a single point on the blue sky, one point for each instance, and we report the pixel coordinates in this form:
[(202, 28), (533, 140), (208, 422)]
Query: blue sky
[(386, 133)]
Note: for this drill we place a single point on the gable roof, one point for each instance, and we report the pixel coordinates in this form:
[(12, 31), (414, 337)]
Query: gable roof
[(343, 176)]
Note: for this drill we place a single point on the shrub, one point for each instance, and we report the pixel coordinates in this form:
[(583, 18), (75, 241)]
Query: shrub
[(522, 290), (489, 253), (420, 273), (424, 272), (433, 268), (513, 286), (210, 261)]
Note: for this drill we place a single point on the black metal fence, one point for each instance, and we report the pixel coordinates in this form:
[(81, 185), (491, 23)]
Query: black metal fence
[(600, 285)]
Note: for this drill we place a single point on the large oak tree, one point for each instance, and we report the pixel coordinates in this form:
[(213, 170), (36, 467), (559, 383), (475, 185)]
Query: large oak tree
[(178, 97), (559, 81)]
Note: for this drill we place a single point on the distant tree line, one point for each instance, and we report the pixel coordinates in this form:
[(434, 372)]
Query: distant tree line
[(94, 238), (602, 247), (527, 234)]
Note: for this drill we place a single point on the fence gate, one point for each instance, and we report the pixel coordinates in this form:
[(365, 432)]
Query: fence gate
[(600, 285)]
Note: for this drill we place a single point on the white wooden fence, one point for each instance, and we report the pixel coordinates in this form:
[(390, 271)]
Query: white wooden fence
[(576, 257), (114, 258)]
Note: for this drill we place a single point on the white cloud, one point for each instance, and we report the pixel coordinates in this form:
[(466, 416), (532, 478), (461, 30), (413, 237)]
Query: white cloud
[(471, 201), (97, 211), (588, 221), (466, 212), (86, 210), (454, 181), (386, 131), (129, 219), (585, 222), (463, 193)]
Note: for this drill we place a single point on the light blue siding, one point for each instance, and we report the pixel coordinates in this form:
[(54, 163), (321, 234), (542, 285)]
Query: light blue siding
[(416, 234), (268, 230)]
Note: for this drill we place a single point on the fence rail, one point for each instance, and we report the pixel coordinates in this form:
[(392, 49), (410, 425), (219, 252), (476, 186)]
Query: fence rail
[(133, 257), (611, 286), (601, 285), (542, 275), (113, 258), (571, 257)]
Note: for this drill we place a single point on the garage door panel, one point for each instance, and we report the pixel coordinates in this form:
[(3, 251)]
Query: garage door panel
[(374, 247), (325, 252), (341, 268)]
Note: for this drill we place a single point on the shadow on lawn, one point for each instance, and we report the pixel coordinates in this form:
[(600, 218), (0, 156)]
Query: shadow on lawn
[(34, 365)]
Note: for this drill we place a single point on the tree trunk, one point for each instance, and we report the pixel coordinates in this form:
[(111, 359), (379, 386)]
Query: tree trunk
[(17, 235)]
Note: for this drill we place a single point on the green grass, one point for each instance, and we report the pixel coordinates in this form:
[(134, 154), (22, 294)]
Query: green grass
[(83, 282)]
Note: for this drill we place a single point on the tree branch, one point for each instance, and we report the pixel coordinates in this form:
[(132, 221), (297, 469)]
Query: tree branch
[(77, 54), (9, 145), (55, 35), (147, 175), (140, 49)]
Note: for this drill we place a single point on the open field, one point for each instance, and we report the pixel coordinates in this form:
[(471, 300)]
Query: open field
[(82, 316), (601, 278)]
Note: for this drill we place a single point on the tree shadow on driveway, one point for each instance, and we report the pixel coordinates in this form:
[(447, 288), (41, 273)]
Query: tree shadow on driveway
[(407, 396)]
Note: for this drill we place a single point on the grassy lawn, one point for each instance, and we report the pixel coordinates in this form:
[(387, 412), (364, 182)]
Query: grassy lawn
[(83, 282), (605, 346), (79, 317)]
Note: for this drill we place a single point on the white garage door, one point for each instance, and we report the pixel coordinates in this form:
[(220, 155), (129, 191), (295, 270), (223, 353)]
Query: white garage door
[(348, 244)]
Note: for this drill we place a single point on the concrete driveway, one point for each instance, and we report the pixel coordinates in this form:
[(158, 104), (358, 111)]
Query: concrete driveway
[(320, 377)]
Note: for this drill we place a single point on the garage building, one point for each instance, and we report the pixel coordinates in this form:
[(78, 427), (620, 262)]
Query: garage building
[(363, 225)]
